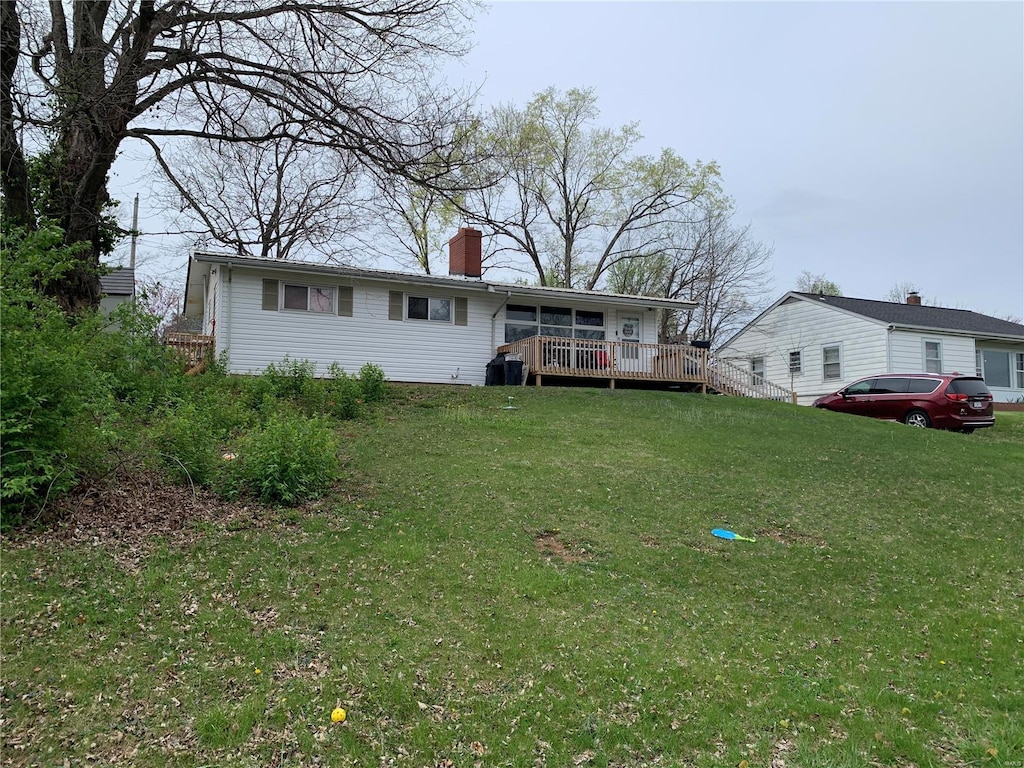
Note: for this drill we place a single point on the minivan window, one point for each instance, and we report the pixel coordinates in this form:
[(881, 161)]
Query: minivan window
[(890, 386), (923, 386), (860, 387), (968, 387)]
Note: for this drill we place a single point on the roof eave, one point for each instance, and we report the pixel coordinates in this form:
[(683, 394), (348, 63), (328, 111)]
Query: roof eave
[(466, 283)]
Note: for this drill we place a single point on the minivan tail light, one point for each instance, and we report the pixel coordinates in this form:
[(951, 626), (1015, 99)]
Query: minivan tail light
[(957, 397)]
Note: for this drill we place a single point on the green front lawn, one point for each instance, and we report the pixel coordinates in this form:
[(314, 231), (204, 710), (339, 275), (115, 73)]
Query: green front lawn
[(539, 586)]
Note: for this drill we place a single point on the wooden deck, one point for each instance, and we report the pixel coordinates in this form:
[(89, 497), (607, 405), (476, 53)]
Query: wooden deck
[(193, 348), (623, 361)]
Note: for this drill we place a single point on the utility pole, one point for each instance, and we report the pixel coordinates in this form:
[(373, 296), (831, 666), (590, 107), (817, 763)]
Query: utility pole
[(135, 231)]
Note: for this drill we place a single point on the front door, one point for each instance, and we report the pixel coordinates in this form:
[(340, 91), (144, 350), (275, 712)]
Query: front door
[(627, 334)]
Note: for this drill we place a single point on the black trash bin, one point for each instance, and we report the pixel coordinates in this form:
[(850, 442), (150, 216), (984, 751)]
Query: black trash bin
[(514, 372), (495, 374)]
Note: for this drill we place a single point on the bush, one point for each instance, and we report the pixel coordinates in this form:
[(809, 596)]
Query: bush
[(53, 398), (344, 393), (291, 459), (371, 381), (187, 444)]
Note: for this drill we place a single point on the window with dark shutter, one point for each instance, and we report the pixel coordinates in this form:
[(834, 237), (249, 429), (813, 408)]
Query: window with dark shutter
[(270, 295)]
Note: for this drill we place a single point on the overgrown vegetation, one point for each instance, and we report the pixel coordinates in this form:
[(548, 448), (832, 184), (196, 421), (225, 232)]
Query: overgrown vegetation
[(84, 395)]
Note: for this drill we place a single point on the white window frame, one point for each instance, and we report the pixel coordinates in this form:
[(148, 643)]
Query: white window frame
[(979, 369), (432, 302), (1019, 369), (796, 362), (934, 362), (757, 370), (824, 363), (328, 292), (574, 329)]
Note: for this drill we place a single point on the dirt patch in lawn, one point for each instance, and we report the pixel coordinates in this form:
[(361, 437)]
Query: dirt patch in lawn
[(131, 510), (789, 537), (553, 546)]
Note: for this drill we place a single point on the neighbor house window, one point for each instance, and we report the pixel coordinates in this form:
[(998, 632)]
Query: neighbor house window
[(424, 308), (524, 320), (978, 370), (932, 357), (309, 298), (831, 362), (757, 369), (997, 367), (796, 364), (1019, 358)]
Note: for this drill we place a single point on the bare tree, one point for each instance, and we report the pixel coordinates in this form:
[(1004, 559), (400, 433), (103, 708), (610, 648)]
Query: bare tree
[(78, 78), (708, 260), (573, 198), (808, 283), (899, 292), (412, 223), (276, 199)]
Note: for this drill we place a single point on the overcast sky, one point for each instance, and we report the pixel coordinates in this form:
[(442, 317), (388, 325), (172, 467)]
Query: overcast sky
[(874, 143)]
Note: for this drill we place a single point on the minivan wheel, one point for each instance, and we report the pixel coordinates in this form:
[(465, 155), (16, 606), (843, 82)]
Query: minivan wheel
[(917, 419)]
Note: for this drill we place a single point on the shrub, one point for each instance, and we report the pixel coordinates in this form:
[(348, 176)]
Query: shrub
[(187, 444), (291, 459), (371, 381), (51, 388), (344, 393)]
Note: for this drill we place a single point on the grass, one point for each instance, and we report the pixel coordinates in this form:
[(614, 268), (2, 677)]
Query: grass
[(539, 587)]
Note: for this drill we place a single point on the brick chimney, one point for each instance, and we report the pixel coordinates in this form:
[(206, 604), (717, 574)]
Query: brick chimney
[(914, 298), (464, 253)]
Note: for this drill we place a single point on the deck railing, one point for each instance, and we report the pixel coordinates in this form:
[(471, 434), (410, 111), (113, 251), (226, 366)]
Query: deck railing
[(193, 347), (628, 360), (732, 379)]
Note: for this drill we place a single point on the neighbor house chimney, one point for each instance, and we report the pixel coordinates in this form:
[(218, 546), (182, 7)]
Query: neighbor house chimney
[(464, 253), (914, 298)]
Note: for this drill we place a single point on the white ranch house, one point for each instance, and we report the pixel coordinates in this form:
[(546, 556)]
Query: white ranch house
[(814, 344), (426, 328)]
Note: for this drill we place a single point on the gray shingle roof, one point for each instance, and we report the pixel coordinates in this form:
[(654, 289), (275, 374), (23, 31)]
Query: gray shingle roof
[(923, 316), (120, 282)]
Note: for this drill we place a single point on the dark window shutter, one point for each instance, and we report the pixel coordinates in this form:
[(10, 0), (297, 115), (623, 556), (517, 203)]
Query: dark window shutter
[(461, 311), (345, 301), (270, 294), (396, 308)]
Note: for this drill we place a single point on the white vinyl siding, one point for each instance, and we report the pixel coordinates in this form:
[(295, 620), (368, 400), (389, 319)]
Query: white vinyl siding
[(432, 352), (805, 327), (908, 352)]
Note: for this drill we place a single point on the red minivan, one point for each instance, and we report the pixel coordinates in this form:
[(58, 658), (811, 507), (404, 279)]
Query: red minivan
[(943, 401)]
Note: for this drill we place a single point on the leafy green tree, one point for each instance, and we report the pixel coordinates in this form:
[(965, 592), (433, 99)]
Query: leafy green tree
[(573, 197), (808, 283)]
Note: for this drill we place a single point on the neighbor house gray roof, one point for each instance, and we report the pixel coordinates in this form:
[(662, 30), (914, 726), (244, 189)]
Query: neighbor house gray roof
[(120, 282), (922, 316)]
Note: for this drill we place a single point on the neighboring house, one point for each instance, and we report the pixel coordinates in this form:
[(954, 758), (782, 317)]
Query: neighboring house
[(117, 287), (815, 344), (417, 327)]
